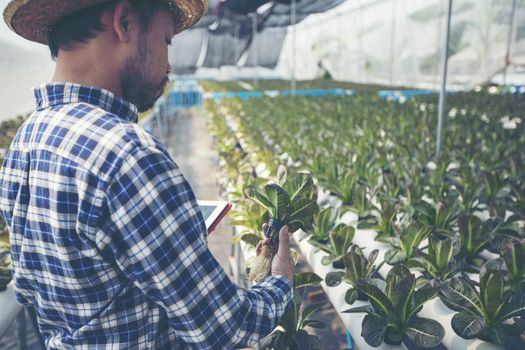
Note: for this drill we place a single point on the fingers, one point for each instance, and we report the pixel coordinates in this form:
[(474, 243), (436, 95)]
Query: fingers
[(260, 245), (266, 241), (284, 240), (258, 248), (265, 228)]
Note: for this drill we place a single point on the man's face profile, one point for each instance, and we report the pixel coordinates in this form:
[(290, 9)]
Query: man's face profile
[(145, 73)]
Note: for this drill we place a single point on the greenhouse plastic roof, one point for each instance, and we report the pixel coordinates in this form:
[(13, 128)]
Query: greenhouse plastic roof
[(226, 39), (396, 43)]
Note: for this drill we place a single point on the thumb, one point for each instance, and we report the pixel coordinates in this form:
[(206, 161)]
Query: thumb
[(284, 240)]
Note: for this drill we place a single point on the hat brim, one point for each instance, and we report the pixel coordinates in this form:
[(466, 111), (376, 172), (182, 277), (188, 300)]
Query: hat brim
[(32, 19)]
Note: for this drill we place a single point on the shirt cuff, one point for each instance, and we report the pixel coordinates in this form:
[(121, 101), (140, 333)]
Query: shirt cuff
[(280, 285)]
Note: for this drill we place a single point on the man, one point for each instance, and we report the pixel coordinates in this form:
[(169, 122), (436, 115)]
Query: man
[(107, 239)]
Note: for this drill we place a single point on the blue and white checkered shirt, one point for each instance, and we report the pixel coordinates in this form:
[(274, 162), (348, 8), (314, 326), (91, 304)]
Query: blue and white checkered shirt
[(108, 241)]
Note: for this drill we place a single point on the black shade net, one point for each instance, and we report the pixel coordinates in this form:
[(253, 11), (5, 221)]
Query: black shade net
[(223, 37)]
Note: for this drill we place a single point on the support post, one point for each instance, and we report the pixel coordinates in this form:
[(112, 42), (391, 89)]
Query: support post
[(294, 61), (392, 44), (255, 50), (443, 93), (509, 41)]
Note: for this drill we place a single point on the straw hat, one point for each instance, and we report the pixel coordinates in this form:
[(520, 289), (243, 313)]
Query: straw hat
[(32, 19)]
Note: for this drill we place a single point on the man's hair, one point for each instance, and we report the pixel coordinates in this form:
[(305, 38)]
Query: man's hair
[(84, 25)]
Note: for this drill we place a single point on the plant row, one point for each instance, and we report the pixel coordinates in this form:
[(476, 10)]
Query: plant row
[(440, 216)]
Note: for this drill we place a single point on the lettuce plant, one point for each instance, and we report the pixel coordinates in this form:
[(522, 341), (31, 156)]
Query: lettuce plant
[(469, 189), (324, 223), (385, 225), (495, 193), (504, 231), (390, 186), (342, 182), (437, 183), (412, 182), (475, 237), (442, 218), (355, 196), (406, 245), (439, 262), (358, 268), (296, 319), (513, 254), (392, 313), (339, 241), (288, 201), (512, 263), (489, 313)]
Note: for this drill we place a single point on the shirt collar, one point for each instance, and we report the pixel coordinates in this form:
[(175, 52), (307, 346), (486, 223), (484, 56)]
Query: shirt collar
[(53, 94)]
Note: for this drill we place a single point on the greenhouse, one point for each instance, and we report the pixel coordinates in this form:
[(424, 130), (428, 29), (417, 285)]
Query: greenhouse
[(387, 136)]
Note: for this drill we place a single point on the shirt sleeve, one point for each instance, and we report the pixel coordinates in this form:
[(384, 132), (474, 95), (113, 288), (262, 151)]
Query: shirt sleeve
[(156, 221)]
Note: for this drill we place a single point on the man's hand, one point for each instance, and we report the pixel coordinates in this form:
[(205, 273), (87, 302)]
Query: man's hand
[(282, 263)]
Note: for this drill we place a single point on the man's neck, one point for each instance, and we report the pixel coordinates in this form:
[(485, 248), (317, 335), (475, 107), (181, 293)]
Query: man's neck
[(79, 67)]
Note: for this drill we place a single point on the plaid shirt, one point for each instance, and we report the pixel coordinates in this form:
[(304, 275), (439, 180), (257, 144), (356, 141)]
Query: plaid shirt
[(108, 241)]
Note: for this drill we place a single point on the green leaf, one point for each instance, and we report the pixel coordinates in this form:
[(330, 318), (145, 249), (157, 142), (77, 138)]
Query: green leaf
[(468, 325), (424, 262), (395, 256), (260, 198), (351, 296), (372, 258), (279, 199), (323, 223), (314, 324), (303, 209), (334, 278), (282, 341), (251, 239), (471, 240), (514, 308), (300, 185), (492, 289), (400, 285), (303, 340), (394, 278), (425, 332), (458, 294), (267, 342), (425, 293), (374, 329), (341, 238), (311, 309), (379, 301), (303, 279), (513, 253), (289, 320), (412, 237), (369, 223), (355, 263), (327, 260), (442, 251), (281, 175), (358, 310)]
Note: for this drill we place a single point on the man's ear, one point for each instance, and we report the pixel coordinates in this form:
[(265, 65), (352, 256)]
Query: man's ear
[(122, 17)]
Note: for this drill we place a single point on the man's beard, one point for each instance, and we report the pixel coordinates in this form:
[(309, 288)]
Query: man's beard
[(136, 87)]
